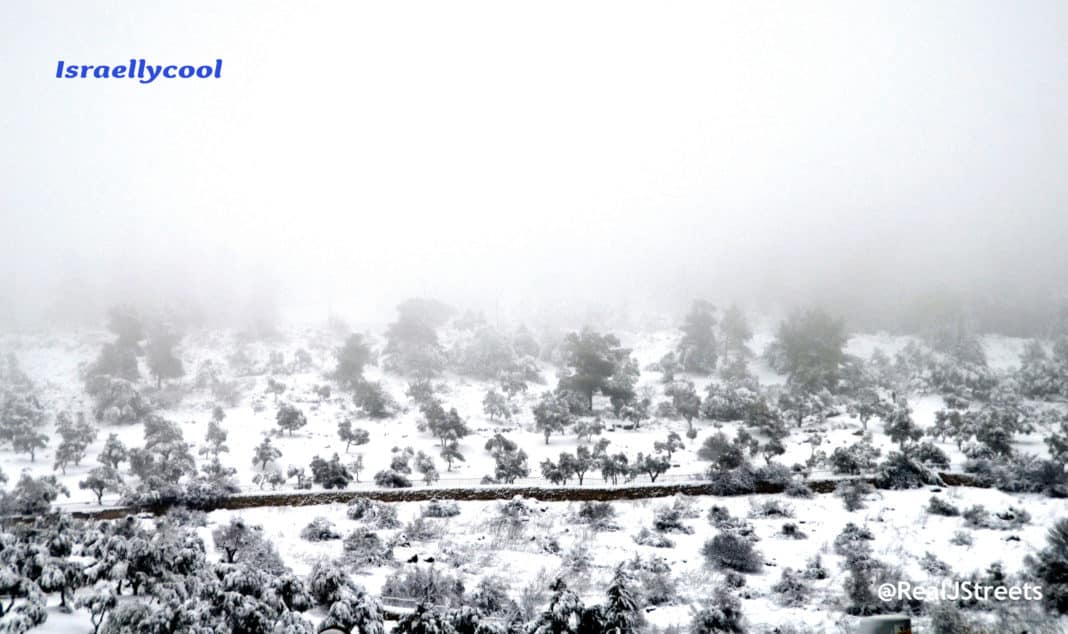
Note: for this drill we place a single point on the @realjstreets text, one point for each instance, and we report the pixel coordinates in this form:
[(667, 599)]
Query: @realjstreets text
[(959, 590)]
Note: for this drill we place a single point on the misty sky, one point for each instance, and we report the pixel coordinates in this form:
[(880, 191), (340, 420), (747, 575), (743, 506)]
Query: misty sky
[(535, 153)]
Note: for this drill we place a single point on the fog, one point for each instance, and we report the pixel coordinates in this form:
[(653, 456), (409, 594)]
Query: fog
[(530, 158)]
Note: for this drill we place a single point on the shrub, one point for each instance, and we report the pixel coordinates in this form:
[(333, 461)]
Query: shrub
[(852, 493), (731, 551), (931, 564), (319, 529), (791, 589), (961, 538), (646, 537), (364, 548), (847, 541), (390, 479), (798, 489), (599, 515), (1012, 518), (899, 471), (770, 508), (654, 579), (668, 519), (721, 613), (938, 506), (425, 584), (814, 569), (790, 530), (441, 508), (423, 530), (378, 514), (740, 481)]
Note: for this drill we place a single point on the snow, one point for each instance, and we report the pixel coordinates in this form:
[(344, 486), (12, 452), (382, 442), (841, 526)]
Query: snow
[(904, 532)]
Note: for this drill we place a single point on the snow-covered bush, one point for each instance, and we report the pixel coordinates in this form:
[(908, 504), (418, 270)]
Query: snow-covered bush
[(853, 493), (646, 537), (798, 489), (791, 589), (441, 508), (375, 513), (425, 583), (363, 547), (422, 529), (1010, 519), (938, 506), (770, 508), (900, 471), (722, 613), (327, 582), (390, 479), (668, 519), (731, 551), (319, 529), (599, 515)]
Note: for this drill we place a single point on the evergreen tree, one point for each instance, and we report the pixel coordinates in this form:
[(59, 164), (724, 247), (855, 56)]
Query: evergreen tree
[(265, 453), (591, 360), (162, 362), (352, 358), (697, 351), (1050, 568), (621, 613), (290, 418), (735, 332), (808, 348)]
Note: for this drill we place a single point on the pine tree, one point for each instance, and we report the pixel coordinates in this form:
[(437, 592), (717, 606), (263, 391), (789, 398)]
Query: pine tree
[(621, 613), (265, 453), (1050, 567)]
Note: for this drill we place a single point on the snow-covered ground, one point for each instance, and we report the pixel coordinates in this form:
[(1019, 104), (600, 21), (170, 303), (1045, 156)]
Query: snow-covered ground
[(903, 531)]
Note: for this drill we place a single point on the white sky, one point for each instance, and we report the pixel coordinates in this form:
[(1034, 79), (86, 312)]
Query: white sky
[(534, 152)]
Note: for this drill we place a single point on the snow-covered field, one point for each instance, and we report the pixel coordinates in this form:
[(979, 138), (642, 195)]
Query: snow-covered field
[(903, 531)]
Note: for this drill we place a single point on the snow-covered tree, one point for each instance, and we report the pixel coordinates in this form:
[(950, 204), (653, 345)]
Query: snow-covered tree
[(552, 414), (496, 406), (113, 453), (590, 362), (697, 351), (808, 348), (352, 358), (451, 453), (424, 464), (621, 613), (290, 418), (101, 480), (162, 361), (75, 438), (21, 421), (352, 436)]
